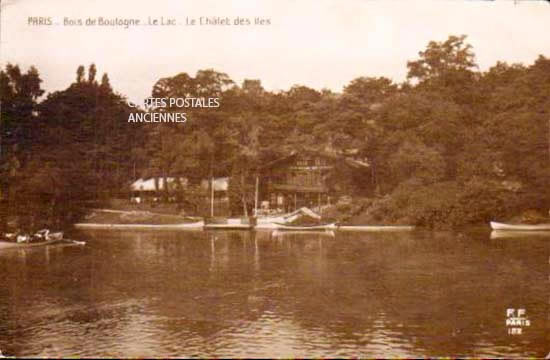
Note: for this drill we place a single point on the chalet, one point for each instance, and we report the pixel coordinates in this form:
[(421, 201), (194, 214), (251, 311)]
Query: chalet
[(303, 179)]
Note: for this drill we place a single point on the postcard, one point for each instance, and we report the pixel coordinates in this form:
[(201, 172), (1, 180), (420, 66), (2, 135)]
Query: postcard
[(275, 179)]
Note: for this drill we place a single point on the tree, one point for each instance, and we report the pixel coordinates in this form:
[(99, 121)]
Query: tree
[(20, 93), (369, 90), (105, 83), (440, 58), (200, 152), (245, 143), (414, 159), (80, 74), (79, 150), (92, 71)]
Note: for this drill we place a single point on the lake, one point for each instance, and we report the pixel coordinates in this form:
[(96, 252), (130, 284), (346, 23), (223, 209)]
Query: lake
[(273, 294)]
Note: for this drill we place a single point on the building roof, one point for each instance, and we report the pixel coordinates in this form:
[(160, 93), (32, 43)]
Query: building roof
[(353, 162), (148, 184)]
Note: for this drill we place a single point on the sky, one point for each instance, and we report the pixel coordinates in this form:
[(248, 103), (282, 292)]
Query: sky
[(316, 43)]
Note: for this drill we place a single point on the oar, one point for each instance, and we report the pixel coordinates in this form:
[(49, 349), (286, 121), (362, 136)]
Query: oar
[(76, 242)]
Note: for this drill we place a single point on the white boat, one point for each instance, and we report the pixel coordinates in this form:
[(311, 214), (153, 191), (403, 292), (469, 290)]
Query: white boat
[(283, 233), (271, 222), (45, 234), (331, 226), (504, 234), (375, 227), (519, 227), (228, 227), (266, 226), (55, 235), (186, 226), (25, 245)]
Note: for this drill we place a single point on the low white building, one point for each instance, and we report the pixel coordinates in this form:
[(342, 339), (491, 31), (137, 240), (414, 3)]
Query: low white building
[(143, 189)]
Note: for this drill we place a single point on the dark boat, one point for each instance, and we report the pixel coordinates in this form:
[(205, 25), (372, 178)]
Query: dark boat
[(40, 238), (24, 245)]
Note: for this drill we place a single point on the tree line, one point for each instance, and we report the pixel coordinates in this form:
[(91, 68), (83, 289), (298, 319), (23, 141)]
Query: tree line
[(451, 145)]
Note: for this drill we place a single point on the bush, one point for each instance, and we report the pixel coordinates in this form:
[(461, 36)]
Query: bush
[(443, 205)]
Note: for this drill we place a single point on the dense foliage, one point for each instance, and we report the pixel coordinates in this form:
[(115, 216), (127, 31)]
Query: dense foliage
[(450, 146)]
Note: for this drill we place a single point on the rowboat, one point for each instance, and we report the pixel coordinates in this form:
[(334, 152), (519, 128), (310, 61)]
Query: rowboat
[(504, 234), (55, 236), (375, 227), (283, 233), (288, 217), (47, 235), (15, 245), (22, 245), (519, 227), (228, 226), (331, 226), (186, 226), (267, 226)]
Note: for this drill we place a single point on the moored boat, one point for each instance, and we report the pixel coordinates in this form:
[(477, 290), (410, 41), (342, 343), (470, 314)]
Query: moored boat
[(331, 226), (228, 227), (504, 234), (185, 226), (376, 227), (23, 245), (271, 222), (45, 234), (220, 223), (266, 226), (519, 227), (55, 236), (283, 233)]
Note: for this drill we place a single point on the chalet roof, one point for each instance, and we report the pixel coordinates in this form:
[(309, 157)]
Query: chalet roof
[(279, 160), (330, 155), (357, 163)]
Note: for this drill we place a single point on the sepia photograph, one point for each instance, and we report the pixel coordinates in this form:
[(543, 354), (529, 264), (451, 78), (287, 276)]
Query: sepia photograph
[(275, 179)]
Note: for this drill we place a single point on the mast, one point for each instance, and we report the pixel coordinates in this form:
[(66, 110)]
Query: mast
[(212, 196), (212, 184), (256, 195)]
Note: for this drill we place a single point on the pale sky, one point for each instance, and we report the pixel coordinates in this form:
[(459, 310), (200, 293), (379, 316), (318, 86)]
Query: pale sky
[(317, 43)]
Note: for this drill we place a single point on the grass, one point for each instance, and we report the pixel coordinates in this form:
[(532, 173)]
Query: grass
[(134, 217)]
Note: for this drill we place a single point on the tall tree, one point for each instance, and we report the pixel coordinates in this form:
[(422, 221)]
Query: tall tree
[(440, 58), (20, 93), (80, 74), (92, 71)]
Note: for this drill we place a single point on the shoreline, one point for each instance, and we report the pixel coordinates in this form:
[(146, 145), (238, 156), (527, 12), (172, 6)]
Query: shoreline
[(187, 226), (200, 226)]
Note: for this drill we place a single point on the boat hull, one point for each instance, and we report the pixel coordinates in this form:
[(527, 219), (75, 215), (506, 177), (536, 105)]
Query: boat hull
[(283, 233), (376, 228), (504, 234), (14, 245), (266, 226), (189, 226), (519, 227), (228, 227), (332, 226)]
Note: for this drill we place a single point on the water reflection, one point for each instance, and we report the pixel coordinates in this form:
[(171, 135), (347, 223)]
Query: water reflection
[(277, 294)]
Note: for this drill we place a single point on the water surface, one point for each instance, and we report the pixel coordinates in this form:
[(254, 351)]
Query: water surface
[(245, 294)]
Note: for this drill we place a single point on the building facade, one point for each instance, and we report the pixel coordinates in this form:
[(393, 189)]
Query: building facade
[(301, 179)]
